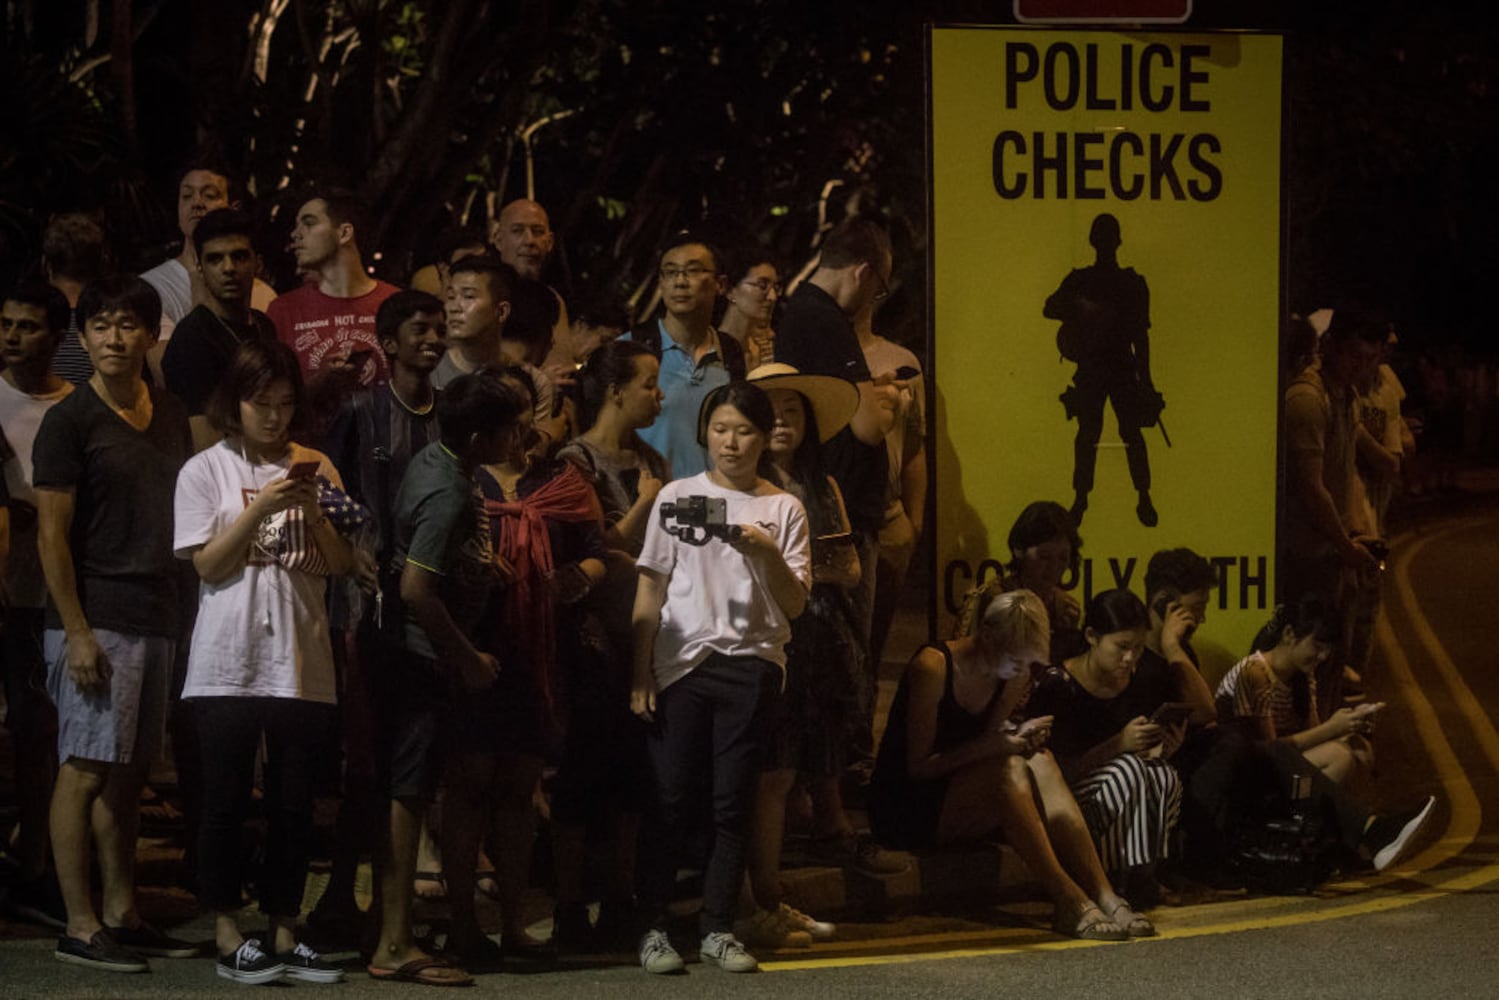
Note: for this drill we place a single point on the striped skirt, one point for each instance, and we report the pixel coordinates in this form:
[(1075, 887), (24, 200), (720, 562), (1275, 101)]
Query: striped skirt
[(1131, 805)]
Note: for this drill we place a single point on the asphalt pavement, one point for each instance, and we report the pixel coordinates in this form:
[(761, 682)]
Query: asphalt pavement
[(1424, 930)]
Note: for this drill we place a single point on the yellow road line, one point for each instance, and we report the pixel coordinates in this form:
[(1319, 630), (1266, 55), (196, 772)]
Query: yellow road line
[(1465, 817)]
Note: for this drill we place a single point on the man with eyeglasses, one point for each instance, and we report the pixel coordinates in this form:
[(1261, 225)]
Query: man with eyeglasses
[(817, 337), (695, 359)]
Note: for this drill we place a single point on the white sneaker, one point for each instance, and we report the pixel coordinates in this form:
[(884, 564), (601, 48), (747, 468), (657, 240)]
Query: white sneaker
[(773, 929), (819, 930), (724, 950), (657, 956)]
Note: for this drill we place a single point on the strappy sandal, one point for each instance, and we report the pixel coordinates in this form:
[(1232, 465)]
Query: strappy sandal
[(1133, 923), (1090, 925)]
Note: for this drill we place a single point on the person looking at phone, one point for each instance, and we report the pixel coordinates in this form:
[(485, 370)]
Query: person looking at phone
[(1217, 764), (261, 662), (1115, 746), (330, 322), (206, 339), (1273, 692), (711, 623), (953, 766)]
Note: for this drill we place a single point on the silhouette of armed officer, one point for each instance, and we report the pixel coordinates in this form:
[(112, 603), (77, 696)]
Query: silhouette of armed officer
[(1105, 314)]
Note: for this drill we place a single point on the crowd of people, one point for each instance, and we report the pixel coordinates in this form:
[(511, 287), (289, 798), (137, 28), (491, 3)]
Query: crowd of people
[(500, 558)]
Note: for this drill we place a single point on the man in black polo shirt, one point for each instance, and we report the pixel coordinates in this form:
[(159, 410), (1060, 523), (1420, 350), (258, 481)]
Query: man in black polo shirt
[(206, 339), (817, 336)]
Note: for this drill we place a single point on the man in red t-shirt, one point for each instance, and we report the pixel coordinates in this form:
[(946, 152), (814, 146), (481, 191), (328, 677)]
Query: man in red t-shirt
[(332, 320)]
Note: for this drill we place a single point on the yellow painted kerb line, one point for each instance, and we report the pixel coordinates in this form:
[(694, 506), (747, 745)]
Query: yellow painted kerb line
[(1465, 813)]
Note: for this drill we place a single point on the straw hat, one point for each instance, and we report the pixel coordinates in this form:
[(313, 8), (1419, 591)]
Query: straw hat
[(833, 400)]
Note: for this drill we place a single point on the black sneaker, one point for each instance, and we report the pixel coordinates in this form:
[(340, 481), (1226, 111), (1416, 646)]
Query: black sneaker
[(307, 965), (147, 940), (1388, 836), (100, 952), (39, 901), (248, 964)]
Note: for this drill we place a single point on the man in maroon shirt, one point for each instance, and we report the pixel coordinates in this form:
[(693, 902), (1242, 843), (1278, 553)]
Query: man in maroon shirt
[(330, 323)]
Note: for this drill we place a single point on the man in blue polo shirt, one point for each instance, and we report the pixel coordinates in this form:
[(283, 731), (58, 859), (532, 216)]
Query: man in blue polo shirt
[(695, 360)]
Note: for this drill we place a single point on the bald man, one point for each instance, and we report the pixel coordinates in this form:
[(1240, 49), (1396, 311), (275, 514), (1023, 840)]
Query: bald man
[(523, 236)]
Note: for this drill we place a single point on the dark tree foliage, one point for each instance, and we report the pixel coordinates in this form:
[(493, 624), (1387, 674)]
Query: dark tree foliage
[(752, 118)]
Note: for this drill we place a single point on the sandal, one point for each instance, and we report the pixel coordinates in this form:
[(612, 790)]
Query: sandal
[(426, 971), (1090, 925), (1133, 923), (429, 885)]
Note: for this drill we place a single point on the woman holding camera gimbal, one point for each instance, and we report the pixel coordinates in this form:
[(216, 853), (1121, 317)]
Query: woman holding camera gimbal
[(717, 592)]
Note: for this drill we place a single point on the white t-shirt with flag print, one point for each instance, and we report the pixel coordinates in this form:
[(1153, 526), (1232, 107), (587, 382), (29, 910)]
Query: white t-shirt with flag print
[(263, 632)]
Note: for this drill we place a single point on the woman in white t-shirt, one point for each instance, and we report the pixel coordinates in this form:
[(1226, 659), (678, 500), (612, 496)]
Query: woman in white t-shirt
[(724, 568), (261, 663)]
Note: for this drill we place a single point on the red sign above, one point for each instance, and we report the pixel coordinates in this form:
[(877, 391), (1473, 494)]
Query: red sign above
[(1103, 11)]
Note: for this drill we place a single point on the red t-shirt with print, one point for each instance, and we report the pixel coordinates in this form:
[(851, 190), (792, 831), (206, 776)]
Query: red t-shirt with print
[(314, 325)]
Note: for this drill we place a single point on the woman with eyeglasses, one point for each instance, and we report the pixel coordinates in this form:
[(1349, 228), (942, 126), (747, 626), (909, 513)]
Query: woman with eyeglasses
[(754, 287)]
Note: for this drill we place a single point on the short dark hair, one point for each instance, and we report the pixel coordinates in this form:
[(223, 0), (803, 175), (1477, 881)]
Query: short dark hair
[(601, 310), (213, 165), (480, 403), (501, 276), (1356, 323), (688, 237), (344, 206), (533, 311), (746, 397), (120, 293), (74, 246), (1180, 570), (36, 292), (223, 222), (855, 241), (399, 308), (256, 365), (1117, 610), (610, 365), (1044, 521), (455, 238)]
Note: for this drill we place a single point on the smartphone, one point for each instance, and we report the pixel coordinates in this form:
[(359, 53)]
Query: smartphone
[(358, 359), (302, 470), (1171, 713)]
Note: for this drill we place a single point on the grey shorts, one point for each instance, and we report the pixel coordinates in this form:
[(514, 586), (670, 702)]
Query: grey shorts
[(125, 725)]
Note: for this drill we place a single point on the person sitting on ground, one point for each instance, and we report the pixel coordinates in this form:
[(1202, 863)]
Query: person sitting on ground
[(712, 618), (1113, 748), (261, 664), (1044, 547), (1273, 692), (952, 767)]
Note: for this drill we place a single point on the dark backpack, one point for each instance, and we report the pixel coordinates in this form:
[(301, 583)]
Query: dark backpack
[(732, 355)]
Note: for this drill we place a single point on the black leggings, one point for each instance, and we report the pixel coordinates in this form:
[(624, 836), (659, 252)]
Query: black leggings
[(295, 733)]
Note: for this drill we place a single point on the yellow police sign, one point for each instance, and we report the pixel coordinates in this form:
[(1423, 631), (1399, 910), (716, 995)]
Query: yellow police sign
[(1106, 256)]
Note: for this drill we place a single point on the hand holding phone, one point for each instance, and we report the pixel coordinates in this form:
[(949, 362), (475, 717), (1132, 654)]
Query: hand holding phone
[(302, 470), (1170, 713)]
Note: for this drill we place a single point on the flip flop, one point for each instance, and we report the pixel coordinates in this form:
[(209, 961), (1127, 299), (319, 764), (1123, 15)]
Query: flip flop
[(419, 971)]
